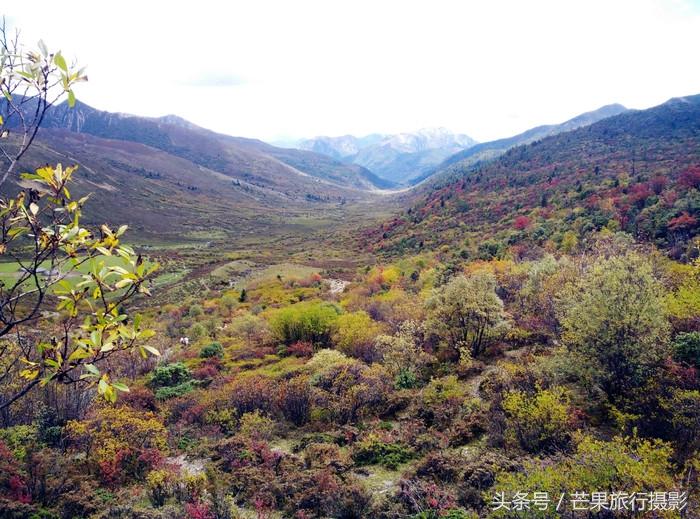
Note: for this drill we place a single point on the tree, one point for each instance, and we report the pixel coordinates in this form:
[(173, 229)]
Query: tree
[(31, 81), (467, 311), (85, 276), (355, 333), (402, 353), (614, 321)]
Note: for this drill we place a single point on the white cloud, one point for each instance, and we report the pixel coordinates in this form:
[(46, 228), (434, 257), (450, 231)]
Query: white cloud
[(271, 68)]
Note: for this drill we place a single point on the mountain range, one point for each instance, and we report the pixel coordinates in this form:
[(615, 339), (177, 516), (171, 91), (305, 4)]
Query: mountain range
[(410, 158), (162, 175), (398, 158), (638, 171)]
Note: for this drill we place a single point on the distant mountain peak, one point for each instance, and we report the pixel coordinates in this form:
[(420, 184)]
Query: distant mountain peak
[(398, 157), (489, 150), (176, 120)]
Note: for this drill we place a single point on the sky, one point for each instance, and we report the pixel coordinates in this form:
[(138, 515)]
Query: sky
[(287, 69)]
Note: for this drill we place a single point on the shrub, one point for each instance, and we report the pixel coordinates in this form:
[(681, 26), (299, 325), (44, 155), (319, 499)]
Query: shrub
[(349, 392), (440, 467), (169, 375), (228, 302), (406, 379), (168, 392), (686, 348), (539, 421), (256, 426), (372, 451), (441, 400), (126, 442), (196, 331), (355, 333), (12, 484), (403, 352), (467, 312), (251, 328), (307, 321), (294, 400), (300, 349), (139, 398), (213, 349), (158, 486), (195, 310), (250, 394)]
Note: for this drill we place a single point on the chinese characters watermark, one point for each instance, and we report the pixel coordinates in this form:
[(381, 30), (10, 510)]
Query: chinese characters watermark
[(591, 502)]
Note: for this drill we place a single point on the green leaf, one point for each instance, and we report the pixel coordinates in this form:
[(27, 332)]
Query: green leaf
[(152, 350), (120, 387), (78, 354), (146, 334), (60, 62), (71, 99), (123, 283), (92, 369)]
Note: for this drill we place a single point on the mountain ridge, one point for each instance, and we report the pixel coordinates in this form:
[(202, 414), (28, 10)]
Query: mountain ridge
[(638, 171), (184, 139), (491, 149), (397, 158)]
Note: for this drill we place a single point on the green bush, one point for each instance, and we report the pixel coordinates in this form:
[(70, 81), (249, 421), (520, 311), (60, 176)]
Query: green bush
[(539, 421), (686, 348), (196, 331), (372, 451), (195, 310), (312, 322), (406, 379), (212, 350), (170, 375), (165, 393)]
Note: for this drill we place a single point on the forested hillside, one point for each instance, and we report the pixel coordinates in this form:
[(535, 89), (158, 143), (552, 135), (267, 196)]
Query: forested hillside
[(637, 172)]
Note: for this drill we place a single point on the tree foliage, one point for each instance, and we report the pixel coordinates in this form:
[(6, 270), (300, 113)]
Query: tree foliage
[(467, 312), (614, 320)]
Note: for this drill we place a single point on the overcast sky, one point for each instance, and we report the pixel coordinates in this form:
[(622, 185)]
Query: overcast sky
[(287, 68)]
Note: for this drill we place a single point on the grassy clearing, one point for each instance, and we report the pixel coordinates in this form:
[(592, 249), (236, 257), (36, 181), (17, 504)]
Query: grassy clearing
[(284, 270)]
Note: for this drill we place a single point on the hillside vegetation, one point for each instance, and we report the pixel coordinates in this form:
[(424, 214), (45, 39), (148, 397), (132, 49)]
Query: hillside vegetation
[(637, 172), (520, 339)]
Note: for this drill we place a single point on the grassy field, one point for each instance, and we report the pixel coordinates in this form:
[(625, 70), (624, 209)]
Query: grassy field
[(10, 271)]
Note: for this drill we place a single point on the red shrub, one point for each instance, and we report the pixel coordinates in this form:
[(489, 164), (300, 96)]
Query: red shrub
[(301, 349), (521, 222), (251, 394), (690, 178), (12, 484), (199, 510), (294, 400), (139, 398), (658, 184), (682, 222), (205, 372)]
